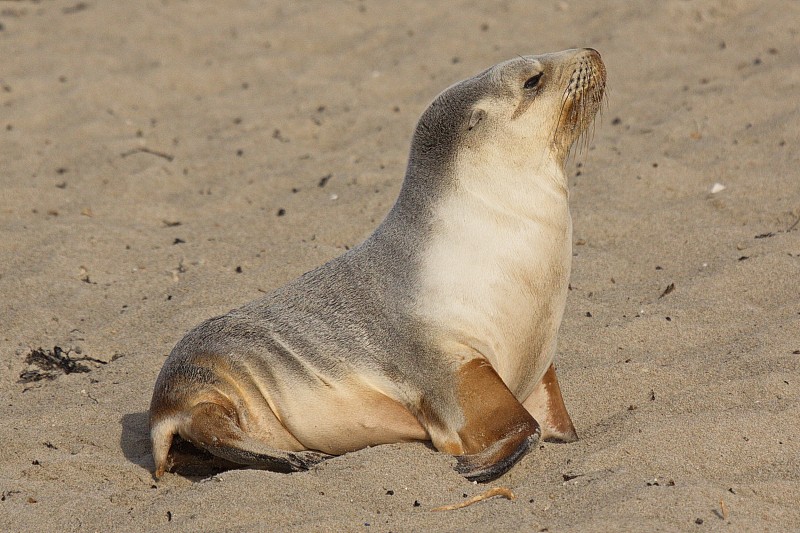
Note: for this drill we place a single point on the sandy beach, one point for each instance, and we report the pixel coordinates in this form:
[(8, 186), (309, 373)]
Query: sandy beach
[(162, 162)]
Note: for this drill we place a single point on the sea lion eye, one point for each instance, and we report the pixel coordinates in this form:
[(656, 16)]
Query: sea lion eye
[(532, 81)]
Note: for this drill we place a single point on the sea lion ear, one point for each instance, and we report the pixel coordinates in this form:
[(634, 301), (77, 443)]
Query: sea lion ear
[(477, 116)]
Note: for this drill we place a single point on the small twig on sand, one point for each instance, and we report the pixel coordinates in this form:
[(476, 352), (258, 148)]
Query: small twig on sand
[(485, 495), (144, 149)]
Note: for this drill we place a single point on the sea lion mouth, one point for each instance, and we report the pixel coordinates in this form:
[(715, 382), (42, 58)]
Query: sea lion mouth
[(581, 98)]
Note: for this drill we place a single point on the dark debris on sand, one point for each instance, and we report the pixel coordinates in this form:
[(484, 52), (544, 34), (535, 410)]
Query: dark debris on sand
[(49, 364)]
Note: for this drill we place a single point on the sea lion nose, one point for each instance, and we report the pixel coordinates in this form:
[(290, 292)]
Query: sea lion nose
[(592, 52)]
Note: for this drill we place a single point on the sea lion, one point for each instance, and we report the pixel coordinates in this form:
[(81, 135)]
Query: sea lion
[(440, 326)]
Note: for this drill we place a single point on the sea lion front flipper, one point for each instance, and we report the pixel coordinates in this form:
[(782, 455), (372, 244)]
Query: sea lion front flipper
[(497, 431), (546, 405), (496, 460), (214, 429)]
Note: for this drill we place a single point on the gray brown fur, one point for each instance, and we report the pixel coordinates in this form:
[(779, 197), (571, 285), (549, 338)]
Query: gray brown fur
[(353, 317)]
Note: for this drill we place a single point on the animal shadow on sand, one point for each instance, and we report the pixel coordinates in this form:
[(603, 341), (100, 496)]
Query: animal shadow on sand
[(135, 440)]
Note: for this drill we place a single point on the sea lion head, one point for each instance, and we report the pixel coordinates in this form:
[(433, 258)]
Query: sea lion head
[(529, 106)]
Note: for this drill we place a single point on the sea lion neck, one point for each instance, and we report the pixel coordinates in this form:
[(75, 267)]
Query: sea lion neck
[(437, 139)]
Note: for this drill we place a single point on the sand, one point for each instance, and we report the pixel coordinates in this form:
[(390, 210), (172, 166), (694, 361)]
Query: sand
[(162, 162)]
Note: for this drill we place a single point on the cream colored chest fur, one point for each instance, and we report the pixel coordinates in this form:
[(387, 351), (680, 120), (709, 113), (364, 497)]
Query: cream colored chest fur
[(495, 275)]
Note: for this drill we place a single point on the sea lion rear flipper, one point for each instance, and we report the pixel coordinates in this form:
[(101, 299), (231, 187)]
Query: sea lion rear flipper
[(497, 430), (214, 429), (546, 405)]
